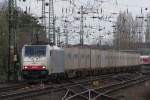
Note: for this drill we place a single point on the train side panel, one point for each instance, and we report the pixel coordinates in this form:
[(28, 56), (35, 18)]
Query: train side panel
[(93, 59), (71, 58), (57, 61), (104, 59), (98, 58)]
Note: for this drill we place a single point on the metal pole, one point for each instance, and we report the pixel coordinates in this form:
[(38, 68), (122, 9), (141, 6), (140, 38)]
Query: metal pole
[(9, 37), (81, 28), (51, 23), (43, 16), (58, 36), (12, 36), (66, 31)]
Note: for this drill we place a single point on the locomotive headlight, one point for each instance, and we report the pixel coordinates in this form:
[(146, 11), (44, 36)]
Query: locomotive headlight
[(44, 67), (25, 67)]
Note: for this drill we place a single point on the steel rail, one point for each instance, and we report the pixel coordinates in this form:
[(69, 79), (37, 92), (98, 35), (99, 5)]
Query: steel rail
[(51, 88), (103, 91), (48, 89)]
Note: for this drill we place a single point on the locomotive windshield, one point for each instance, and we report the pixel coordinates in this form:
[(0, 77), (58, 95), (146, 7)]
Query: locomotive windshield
[(35, 50)]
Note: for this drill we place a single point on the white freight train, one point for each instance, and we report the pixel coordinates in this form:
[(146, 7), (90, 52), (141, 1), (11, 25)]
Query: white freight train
[(41, 61)]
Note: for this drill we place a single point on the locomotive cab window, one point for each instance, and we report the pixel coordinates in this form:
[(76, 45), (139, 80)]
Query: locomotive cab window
[(35, 50)]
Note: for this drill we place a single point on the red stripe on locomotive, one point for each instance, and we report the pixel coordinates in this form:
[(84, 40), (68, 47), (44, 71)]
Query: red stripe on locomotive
[(34, 67)]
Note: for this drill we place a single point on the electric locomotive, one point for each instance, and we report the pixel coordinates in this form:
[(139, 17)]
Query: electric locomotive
[(34, 63), (40, 61)]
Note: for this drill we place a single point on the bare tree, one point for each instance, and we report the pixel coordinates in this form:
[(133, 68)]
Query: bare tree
[(3, 39), (27, 25), (124, 31), (147, 33)]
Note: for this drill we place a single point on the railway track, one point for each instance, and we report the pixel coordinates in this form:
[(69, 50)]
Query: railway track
[(13, 87), (102, 92), (51, 87), (47, 89)]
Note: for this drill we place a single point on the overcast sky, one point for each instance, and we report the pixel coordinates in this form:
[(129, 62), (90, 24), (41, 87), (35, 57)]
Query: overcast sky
[(136, 7), (109, 5)]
